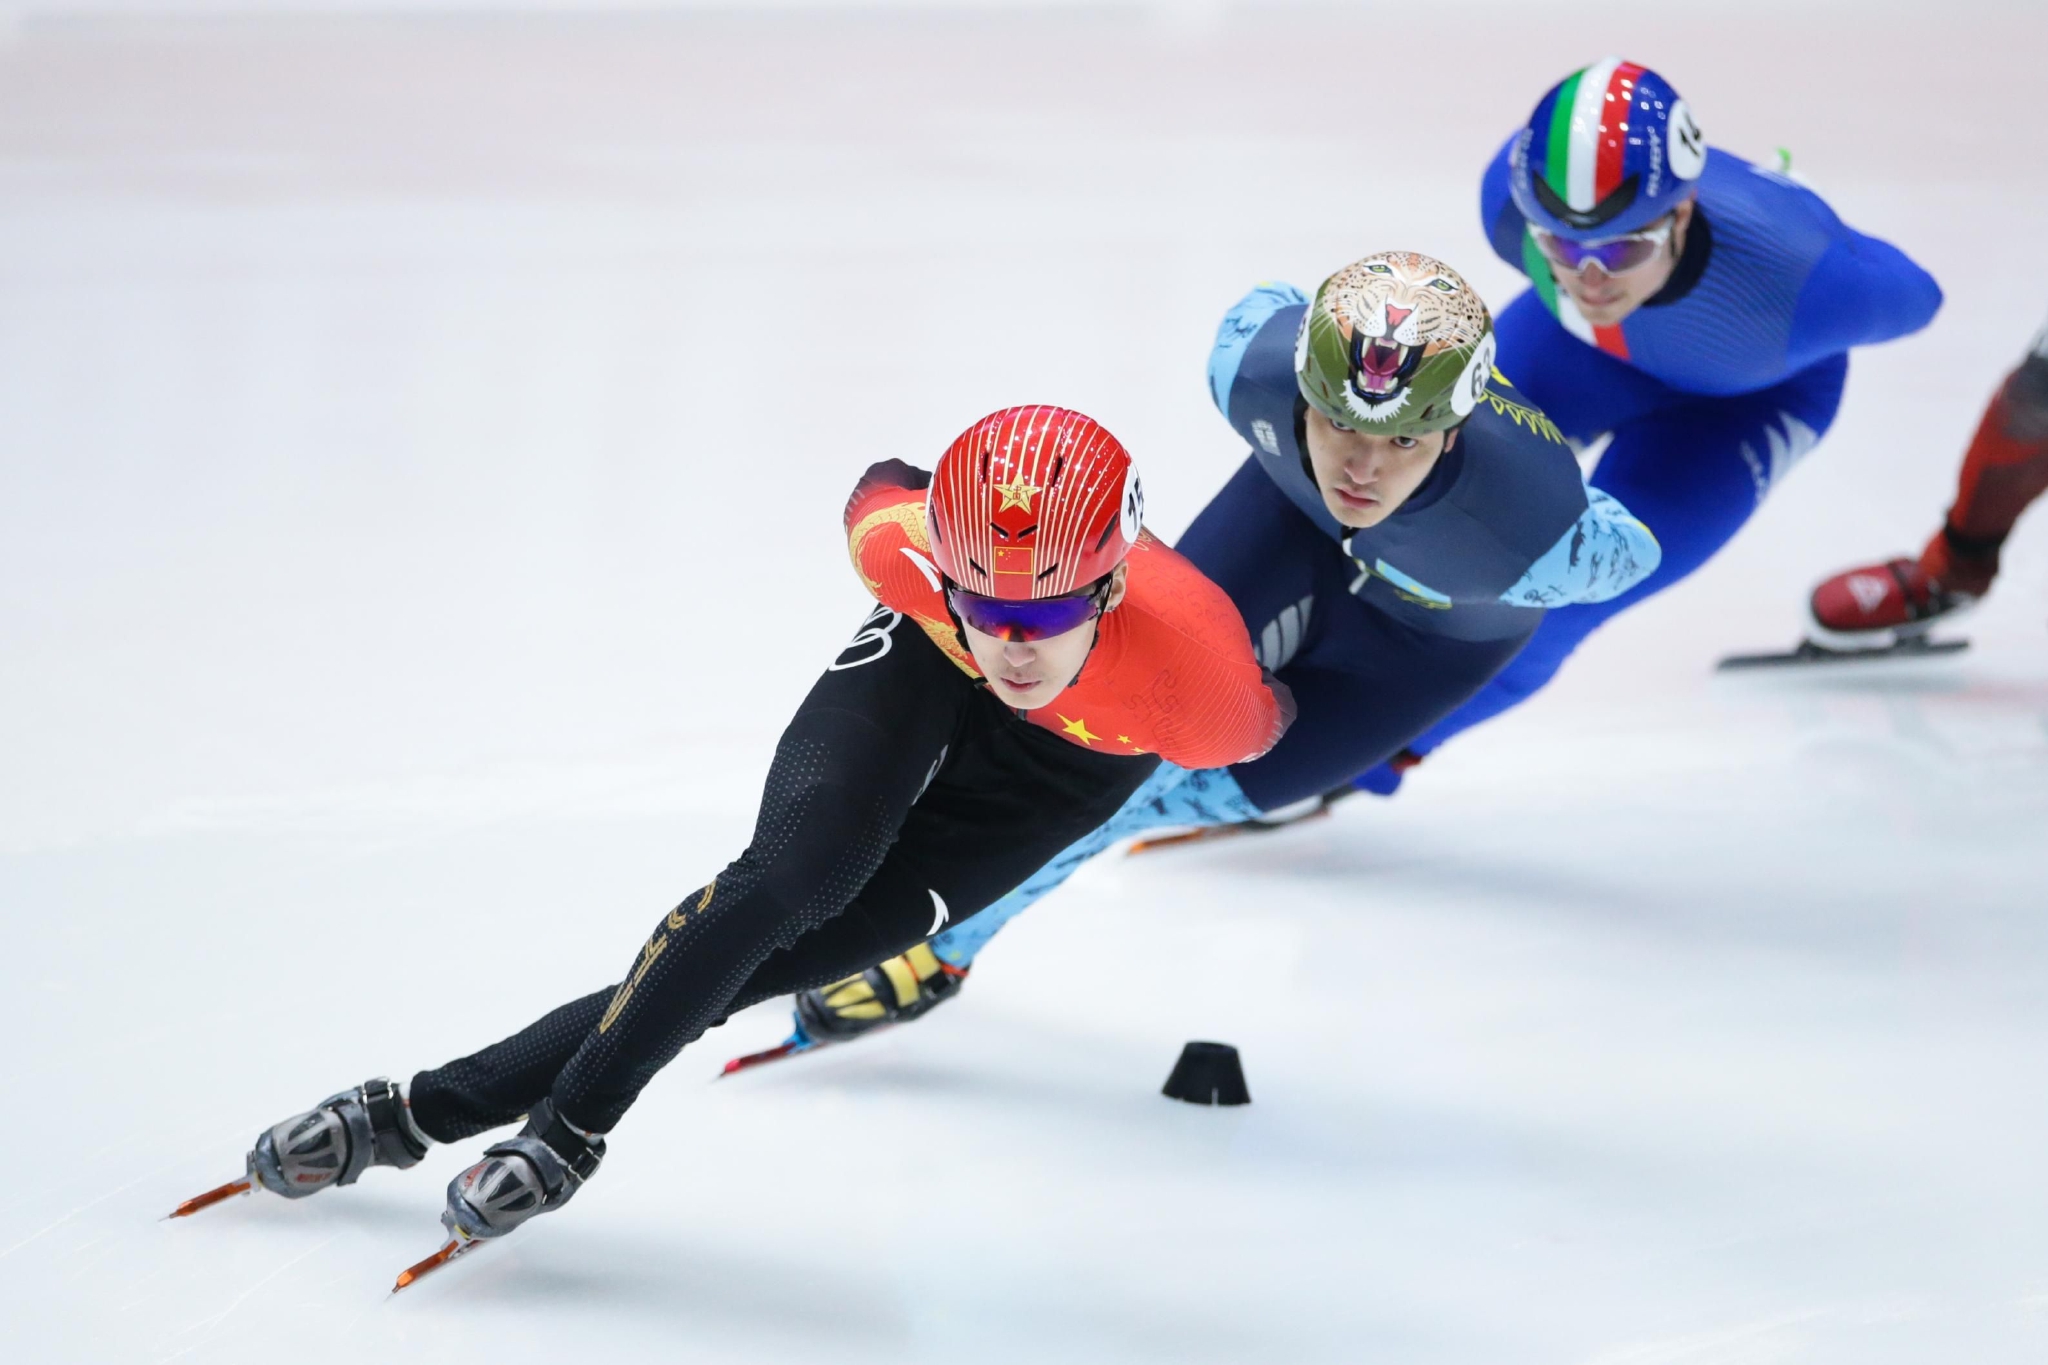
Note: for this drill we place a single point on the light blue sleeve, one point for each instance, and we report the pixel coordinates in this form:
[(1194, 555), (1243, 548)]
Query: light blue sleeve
[(1239, 326), (1172, 796), (1605, 553)]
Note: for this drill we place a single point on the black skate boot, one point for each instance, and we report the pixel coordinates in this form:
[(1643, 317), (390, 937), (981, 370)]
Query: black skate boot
[(536, 1172), (330, 1144)]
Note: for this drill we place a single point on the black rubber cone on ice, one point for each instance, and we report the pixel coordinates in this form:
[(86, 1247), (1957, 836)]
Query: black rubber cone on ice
[(1207, 1073)]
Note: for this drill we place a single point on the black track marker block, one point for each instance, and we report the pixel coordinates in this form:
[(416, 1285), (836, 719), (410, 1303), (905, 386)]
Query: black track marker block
[(1207, 1073)]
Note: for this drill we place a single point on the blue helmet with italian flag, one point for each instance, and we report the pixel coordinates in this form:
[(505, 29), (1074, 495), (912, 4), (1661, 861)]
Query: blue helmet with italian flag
[(1610, 150)]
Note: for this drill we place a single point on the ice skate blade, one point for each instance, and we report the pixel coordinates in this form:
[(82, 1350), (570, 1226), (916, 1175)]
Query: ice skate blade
[(1206, 833), (211, 1197), (419, 1270), (1186, 836), (792, 1048), (1812, 652)]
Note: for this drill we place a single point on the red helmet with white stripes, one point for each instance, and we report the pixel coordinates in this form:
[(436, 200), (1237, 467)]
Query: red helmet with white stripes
[(1033, 502)]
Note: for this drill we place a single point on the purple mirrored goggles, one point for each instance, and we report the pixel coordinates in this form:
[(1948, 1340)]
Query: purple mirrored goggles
[(1039, 618), (1616, 255)]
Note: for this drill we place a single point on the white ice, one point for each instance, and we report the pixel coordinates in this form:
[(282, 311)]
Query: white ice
[(422, 444)]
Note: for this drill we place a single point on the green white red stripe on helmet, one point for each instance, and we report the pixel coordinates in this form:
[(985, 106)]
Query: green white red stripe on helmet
[(1588, 133), (1606, 151)]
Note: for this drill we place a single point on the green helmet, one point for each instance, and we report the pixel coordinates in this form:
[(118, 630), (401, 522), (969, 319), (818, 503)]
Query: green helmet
[(1395, 345)]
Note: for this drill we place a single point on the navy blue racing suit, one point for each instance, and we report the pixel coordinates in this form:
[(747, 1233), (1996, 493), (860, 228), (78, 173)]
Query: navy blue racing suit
[(1379, 632)]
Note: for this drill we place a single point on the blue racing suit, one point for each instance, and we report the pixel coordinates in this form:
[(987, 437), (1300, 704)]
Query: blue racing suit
[(1711, 391)]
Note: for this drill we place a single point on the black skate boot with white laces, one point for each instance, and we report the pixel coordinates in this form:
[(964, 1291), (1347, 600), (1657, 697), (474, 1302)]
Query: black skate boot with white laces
[(337, 1140), (535, 1172)]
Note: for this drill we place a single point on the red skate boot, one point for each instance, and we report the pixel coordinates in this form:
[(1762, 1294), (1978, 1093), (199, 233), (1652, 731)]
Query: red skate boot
[(1882, 605), (1880, 611)]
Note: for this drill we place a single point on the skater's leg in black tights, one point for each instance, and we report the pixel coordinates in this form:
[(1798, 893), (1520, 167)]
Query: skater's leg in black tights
[(873, 833), (499, 1084), (1007, 797), (862, 747)]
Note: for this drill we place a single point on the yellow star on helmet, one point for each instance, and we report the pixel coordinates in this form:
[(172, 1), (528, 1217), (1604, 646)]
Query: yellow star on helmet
[(1078, 729), (1016, 493)]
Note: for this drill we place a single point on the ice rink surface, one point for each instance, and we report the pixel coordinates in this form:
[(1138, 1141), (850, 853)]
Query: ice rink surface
[(422, 444)]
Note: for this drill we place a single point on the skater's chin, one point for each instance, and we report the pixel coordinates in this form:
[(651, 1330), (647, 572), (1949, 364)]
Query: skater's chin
[(1608, 305)]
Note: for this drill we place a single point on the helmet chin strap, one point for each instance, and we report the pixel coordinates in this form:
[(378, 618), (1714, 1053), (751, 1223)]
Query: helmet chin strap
[(1095, 622), (1093, 640)]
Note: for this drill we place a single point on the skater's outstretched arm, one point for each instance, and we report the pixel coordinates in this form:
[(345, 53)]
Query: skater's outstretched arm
[(1605, 553), (1862, 291)]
